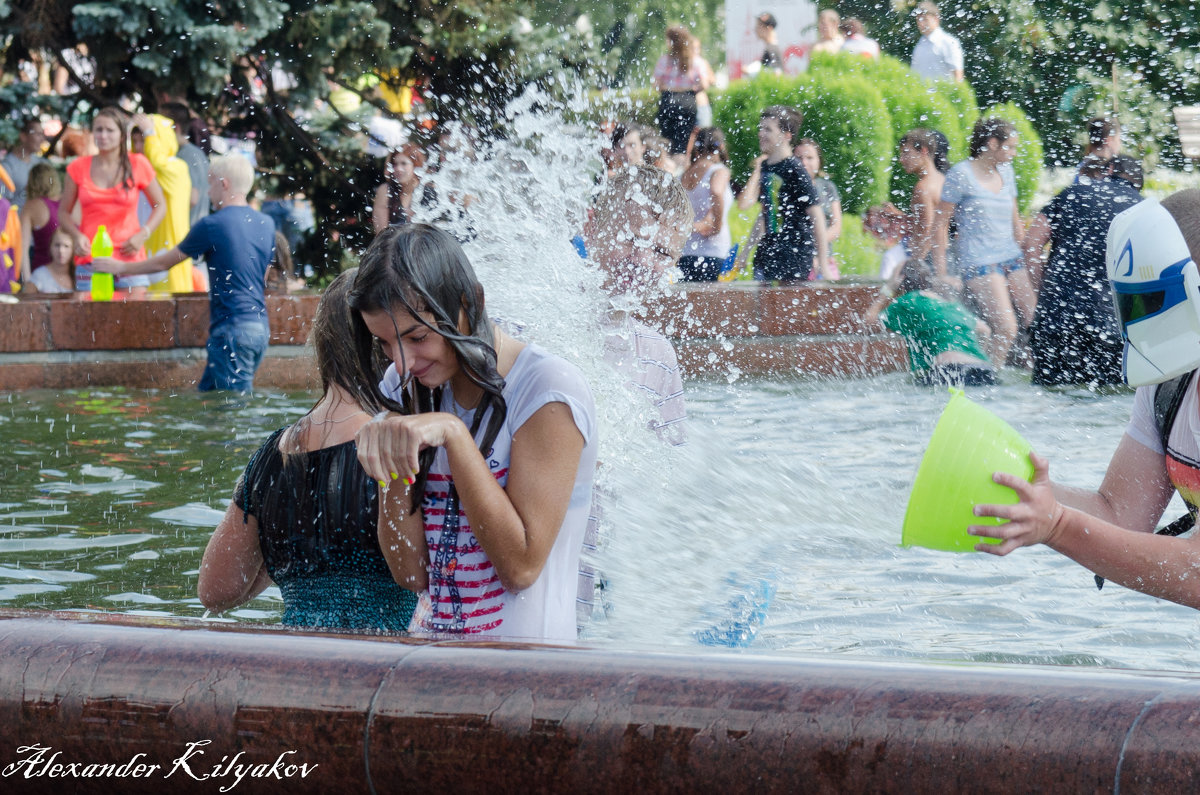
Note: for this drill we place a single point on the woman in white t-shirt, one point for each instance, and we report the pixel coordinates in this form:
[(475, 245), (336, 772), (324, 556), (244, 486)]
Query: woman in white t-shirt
[(498, 438), (980, 193), (57, 275)]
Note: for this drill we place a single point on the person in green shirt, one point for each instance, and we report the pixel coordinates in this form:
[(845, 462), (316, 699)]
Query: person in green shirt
[(943, 338)]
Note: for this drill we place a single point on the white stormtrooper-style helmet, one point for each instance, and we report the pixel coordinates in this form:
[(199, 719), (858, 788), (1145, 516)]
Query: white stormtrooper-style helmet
[(1152, 252)]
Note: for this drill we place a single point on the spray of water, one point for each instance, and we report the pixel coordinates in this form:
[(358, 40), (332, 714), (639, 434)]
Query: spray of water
[(526, 196)]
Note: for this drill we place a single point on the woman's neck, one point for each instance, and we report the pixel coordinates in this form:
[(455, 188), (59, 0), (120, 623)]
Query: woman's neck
[(466, 393), (334, 420), (986, 163), (59, 270)]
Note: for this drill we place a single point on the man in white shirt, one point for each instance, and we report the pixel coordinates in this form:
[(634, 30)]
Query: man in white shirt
[(938, 55)]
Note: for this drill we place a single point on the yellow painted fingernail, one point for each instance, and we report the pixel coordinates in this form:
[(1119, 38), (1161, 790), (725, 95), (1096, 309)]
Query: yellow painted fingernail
[(409, 481), (394, 476), (416, 472), (383, 484)]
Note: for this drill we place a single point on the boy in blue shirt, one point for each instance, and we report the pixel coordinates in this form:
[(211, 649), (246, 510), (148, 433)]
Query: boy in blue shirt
[(238, 243)]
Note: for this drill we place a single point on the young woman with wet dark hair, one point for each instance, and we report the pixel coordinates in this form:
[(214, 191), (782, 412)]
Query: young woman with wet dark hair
[(344, 552), (499, 437)]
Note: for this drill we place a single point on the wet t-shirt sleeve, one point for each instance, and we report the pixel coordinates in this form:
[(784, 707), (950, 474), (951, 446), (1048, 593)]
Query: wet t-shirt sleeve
[(955, 187), (247, 494)]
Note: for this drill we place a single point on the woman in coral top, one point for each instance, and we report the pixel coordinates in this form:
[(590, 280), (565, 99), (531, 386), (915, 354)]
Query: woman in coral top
[(106, 186)]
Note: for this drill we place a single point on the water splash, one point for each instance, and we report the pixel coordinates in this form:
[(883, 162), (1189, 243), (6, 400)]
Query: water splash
[(518, 202)]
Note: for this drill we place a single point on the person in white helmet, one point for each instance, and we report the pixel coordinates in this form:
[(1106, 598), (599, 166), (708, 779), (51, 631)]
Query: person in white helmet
[(1153, 248)]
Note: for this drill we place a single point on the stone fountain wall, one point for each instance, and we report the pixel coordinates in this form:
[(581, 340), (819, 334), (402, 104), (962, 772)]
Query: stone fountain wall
[(59, 343), (245, 708)]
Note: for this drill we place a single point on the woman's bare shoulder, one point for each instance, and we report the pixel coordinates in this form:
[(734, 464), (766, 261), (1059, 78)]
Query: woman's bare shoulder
[(929, 187)]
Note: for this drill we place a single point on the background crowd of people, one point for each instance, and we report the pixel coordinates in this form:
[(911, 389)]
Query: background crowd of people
[(145, 179)]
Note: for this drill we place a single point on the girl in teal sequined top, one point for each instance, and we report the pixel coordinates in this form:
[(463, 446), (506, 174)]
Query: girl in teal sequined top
[(344, 551)]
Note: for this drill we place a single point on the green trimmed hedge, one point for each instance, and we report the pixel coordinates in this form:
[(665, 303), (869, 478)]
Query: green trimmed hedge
[(912, 102), (845, 114), (1028, 163)]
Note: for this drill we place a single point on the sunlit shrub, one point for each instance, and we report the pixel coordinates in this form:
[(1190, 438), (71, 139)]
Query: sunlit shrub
[(912, 102), (845, 114)]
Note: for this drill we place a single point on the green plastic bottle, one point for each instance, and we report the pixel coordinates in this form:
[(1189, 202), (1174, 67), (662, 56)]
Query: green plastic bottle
[(102, 283)]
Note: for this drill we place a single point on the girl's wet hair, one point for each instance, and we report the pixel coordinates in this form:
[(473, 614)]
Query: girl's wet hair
[(418, 268), (332, 339), (987, 129), (930, 142), (915, 276), (710, 140)]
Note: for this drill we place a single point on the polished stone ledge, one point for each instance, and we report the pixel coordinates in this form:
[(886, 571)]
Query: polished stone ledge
[(405, 715), (720, 329)]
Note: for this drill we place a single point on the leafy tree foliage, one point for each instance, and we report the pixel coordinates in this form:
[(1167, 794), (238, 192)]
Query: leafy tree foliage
[(629, 33), (1063, 61), (266, 68)]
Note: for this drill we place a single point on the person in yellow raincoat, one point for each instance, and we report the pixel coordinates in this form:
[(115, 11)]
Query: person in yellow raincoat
[(161, 145), (12, 249)]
